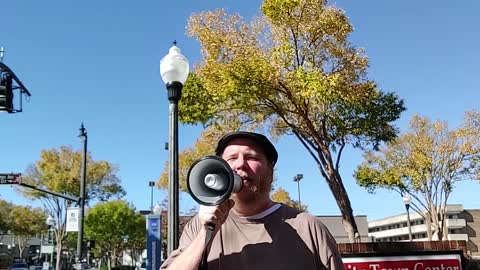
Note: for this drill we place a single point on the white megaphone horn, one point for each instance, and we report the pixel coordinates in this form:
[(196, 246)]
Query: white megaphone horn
[(210, 180)]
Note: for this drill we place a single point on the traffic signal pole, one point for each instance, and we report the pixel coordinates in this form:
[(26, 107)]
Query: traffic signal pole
[(16, 179)]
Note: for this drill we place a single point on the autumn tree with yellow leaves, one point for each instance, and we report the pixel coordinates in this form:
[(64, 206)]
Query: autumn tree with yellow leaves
[(282, 196), (426, 162), (58, 170), (291, 71)]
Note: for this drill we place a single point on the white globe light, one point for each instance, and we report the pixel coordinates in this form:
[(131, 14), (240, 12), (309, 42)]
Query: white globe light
[(407, 199), (157, 209), (50, 221), (174, 66)]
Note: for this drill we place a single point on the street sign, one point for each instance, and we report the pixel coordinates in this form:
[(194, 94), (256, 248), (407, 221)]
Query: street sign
[(46, 249), (10, 178)]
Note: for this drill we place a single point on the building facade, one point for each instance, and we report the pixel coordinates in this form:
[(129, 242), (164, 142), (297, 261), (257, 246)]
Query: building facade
[(335, 225), (462, 224)]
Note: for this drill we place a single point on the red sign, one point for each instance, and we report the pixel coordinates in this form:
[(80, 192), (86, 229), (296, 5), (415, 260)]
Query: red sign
[(420, 262)]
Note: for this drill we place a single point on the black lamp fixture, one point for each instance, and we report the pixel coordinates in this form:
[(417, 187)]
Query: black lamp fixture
[(174, 70), (407, 200)]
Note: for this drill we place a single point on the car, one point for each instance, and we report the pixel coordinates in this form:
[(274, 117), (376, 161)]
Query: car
[(19, 266)]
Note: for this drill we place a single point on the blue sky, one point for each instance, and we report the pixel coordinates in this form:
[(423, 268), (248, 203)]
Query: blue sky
[(97, 62)]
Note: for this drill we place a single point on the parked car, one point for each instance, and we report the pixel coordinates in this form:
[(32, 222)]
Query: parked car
[(19, 266)]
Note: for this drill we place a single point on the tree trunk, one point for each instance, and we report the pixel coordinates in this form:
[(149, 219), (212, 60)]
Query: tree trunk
[(21, 249), (22, 243), (338, 190), (428, 222), (113, 257), (442, 222), (59, 255)]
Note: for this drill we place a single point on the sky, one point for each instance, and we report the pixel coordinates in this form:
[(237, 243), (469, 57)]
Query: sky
[(97, 63)]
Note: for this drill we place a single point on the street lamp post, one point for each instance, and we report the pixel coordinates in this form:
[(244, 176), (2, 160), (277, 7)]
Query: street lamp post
[(174, 71), (297, 179), (51, 225), (83, 176), (151, 184), (407, 199)]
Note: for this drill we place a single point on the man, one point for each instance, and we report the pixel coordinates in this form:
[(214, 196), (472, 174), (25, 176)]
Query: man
[(252, 231)]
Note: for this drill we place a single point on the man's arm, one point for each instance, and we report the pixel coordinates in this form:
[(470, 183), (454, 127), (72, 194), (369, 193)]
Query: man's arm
[(191, 256)]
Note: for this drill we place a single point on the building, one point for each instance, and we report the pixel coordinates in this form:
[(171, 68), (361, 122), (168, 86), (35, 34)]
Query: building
[(461, 224), (336, 228)]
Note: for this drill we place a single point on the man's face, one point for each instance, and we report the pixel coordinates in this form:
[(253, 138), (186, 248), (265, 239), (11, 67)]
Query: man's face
[(248, 160)]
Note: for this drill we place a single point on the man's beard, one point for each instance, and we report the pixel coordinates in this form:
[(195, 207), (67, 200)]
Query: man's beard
[(257, 192)]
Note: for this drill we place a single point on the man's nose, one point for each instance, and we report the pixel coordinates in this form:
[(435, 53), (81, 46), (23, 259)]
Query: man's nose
[(239, 163)]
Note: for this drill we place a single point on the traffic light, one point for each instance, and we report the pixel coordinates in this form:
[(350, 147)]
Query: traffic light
[(6, 94)]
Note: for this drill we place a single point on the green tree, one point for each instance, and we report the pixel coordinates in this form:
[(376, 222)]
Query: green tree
[(5, 208), (136, 240), (282, 196), (292, 71), (115, 227), (58, 170), (426, 162), (24, 223)]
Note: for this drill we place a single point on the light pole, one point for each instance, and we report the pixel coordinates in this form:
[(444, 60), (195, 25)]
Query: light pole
[(174, 71), (83, 176), (151, 184), (51, 224), (407, 199), (297, 179)]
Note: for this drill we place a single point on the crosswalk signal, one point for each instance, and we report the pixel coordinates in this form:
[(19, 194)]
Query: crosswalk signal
[(6, 94)]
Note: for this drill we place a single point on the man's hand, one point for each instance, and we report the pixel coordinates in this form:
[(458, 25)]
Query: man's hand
[(215, 215)]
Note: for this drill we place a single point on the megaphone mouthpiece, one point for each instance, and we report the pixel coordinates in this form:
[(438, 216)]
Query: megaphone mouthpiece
[(214, 181)]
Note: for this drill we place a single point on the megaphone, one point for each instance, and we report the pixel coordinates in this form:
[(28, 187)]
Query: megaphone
[(210, 181)]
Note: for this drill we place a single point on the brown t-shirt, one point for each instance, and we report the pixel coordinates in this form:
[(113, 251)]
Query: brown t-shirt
[(285, 239)]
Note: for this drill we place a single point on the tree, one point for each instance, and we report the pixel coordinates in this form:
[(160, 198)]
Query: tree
[(292, 71), (25, 223), (137, 240), (112, 225), (426, 162), (59, 171), (202, 147), (5, 208), (282, 196)]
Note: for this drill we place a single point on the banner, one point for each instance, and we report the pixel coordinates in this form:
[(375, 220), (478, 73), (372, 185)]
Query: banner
[(410, 262), (73, 214), (154, 242)]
